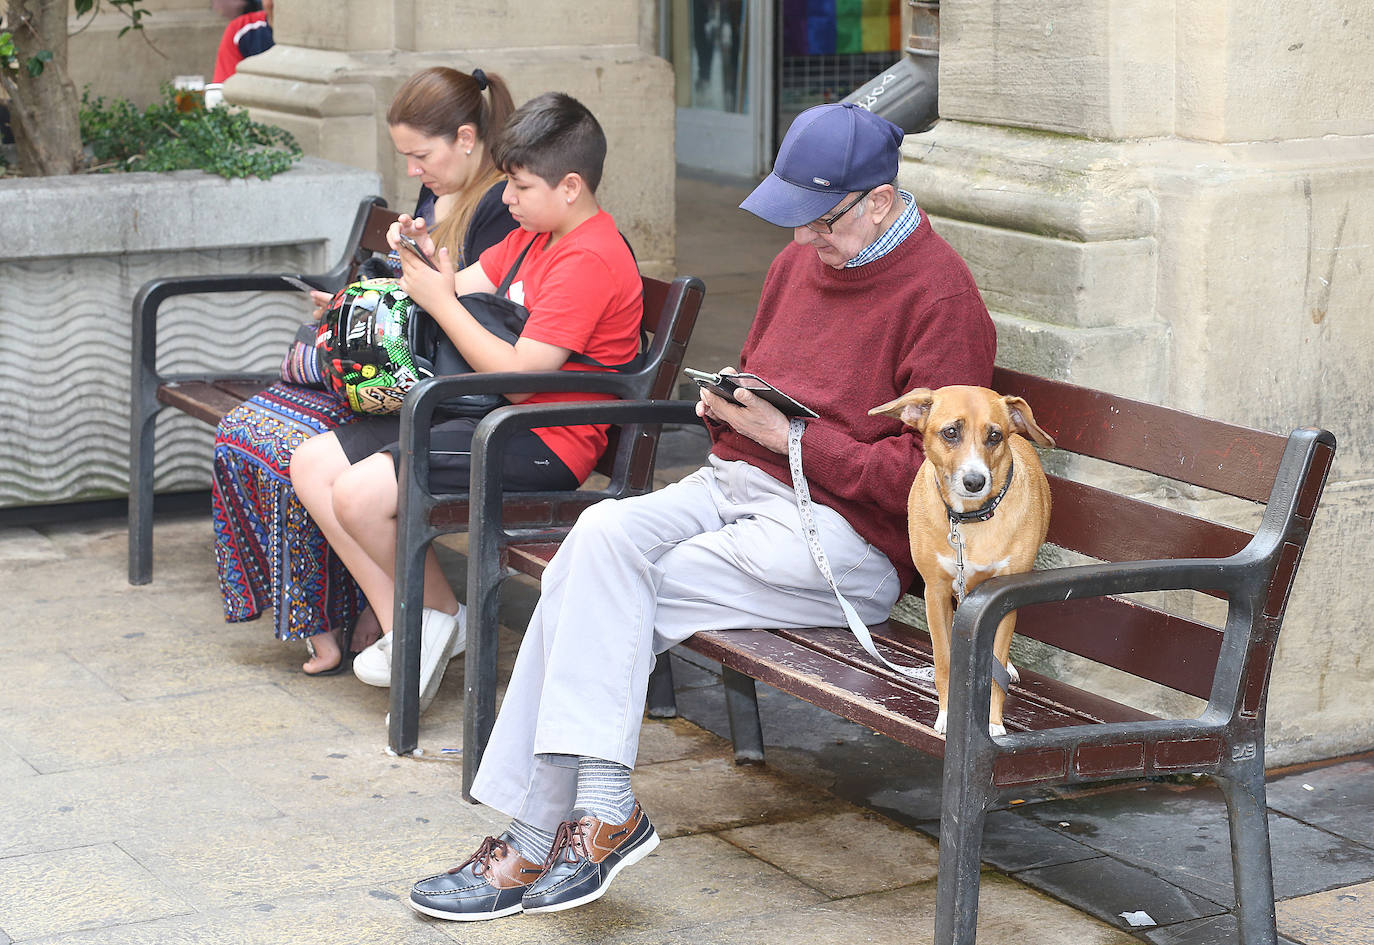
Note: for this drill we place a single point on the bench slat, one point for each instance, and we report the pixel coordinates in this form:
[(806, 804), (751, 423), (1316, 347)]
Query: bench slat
[(1131, 637), (1220, 456), (1113, 527), (801, 664), (201, 399), (1037, 703)]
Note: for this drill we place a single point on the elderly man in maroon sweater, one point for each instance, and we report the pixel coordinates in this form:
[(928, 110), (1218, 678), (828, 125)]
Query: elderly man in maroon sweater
[(866, 303)]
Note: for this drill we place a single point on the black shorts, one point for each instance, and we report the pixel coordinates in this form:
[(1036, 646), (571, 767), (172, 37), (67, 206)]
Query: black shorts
[(530, 466)]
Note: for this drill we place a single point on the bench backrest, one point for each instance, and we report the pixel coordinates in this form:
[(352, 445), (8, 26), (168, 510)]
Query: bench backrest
[(1173, 650)]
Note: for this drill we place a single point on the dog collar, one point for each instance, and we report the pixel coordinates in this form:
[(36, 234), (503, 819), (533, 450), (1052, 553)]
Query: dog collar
[(984, 511)]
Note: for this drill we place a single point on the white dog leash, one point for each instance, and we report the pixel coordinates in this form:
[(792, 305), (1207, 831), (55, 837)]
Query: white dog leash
[(796, 427)]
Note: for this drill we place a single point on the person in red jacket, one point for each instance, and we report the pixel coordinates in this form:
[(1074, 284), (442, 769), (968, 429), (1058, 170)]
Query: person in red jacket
[(246, 35), (866, 303)]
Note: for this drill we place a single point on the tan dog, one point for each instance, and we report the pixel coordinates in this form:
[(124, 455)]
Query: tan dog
[(981, 480)]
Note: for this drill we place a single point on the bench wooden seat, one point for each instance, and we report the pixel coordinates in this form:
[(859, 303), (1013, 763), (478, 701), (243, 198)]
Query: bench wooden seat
[(1057, 732)]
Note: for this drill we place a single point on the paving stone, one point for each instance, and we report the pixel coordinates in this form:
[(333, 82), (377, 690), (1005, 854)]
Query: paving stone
[(663, 740), (1105, 888), (43, 673), (1008, 912), (831, 754), (843, 854), (344, 770), (116, 802), (87, 887), (27, 545), (388, 840), (57, 738), (1214, 930), (684, 881), (1338, 798), (1343, 916), (1013, 843), (12, 766), (331, 917), (1182, 835), (709, 794)]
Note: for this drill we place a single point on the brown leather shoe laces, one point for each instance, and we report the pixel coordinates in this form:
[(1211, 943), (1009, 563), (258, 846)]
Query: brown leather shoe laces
[(570, 835), (490, 848)]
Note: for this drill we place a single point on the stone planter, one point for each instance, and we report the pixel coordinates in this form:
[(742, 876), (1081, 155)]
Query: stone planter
[(73, 253)]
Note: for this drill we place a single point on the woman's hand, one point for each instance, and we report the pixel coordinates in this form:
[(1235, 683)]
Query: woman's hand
[(321, 300), (414, 228), (749, 415)]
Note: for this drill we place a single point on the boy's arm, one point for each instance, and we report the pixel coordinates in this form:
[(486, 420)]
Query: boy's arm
[(480, 348)]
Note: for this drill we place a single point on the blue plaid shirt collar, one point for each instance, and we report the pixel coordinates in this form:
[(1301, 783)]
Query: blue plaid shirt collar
[(900, 229)]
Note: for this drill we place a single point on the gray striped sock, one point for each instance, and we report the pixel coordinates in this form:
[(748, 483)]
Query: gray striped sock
[(603, 788), (529, 841)]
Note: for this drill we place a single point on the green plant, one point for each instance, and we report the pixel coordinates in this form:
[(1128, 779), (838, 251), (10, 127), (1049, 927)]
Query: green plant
[(180, 133)]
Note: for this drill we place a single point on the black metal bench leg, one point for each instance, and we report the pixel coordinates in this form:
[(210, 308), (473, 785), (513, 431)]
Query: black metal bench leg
[(1250, 857), (742, 705), (662, 700), (141, 498)]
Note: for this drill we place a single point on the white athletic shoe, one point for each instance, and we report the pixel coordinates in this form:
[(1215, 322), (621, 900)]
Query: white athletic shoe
[(373, 664), (440, 633)]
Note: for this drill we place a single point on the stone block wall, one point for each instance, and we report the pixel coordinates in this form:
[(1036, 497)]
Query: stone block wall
[(1173, 201)]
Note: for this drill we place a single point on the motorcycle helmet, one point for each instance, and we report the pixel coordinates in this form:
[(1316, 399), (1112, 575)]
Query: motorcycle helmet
[(364, 346)]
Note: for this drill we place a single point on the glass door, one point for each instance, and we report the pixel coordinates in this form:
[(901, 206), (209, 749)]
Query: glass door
[(722, 52)]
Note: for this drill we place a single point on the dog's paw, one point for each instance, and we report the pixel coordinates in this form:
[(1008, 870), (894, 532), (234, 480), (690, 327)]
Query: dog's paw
[(941, 721), (994, 729), (1011, 671)]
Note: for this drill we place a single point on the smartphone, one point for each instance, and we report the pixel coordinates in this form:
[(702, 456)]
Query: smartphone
[(409, 243)]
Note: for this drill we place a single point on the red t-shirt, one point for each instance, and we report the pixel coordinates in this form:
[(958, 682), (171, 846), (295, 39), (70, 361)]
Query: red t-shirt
[(585, 294)]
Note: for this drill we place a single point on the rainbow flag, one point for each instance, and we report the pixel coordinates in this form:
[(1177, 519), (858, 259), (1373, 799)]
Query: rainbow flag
[(840, 27)]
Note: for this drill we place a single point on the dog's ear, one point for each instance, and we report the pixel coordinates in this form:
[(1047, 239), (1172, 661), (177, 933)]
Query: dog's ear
[(912, 408), (1024, 421)]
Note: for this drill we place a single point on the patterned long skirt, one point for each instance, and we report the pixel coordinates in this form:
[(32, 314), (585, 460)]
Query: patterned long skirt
[(268, 549)]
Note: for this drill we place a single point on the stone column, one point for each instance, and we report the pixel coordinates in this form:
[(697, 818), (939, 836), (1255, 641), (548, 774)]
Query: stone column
[(1175, 201), (337, 64)]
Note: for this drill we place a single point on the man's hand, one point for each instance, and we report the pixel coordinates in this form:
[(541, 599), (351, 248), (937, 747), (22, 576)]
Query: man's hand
[(749, 415)]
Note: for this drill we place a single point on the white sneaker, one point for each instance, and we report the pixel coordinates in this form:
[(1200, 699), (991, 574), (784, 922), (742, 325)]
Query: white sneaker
[(438, 633), (460, 639), (373, 664)]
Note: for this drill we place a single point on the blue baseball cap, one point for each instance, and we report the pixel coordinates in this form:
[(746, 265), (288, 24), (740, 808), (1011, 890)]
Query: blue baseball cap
[(830, 150)]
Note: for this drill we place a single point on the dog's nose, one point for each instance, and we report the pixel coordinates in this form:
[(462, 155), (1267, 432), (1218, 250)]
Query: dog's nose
[(974, 482)]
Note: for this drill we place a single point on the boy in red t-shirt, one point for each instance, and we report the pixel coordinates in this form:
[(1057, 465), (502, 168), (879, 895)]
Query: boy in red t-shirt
[(584, 293)]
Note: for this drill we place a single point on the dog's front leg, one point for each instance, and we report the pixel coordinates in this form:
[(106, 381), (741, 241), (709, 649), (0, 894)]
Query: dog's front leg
[(940, 623)]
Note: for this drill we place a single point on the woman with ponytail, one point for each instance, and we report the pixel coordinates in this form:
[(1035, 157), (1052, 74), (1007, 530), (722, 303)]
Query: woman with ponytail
[(269, 552)]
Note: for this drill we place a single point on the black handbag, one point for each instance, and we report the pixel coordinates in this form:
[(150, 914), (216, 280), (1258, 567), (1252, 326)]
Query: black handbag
[(433, 351)]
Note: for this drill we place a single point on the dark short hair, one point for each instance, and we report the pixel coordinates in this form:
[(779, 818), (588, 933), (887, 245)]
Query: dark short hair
[(552, 136)]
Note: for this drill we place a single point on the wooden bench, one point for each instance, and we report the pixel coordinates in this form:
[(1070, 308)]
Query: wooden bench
[(670, 313), (203, 396), (1057, 732)]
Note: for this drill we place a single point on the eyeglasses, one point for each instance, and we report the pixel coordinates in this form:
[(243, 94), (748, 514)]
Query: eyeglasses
[(827, 224)]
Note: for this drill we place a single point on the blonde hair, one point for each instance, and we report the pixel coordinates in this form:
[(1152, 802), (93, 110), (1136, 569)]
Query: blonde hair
[(436, 102)]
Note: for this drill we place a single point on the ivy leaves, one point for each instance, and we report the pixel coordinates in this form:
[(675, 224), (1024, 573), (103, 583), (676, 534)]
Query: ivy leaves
[(180, 133)]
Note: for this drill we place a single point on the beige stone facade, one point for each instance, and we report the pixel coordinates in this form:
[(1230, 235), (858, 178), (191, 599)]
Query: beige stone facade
[(336, 66), (1174, 201)]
